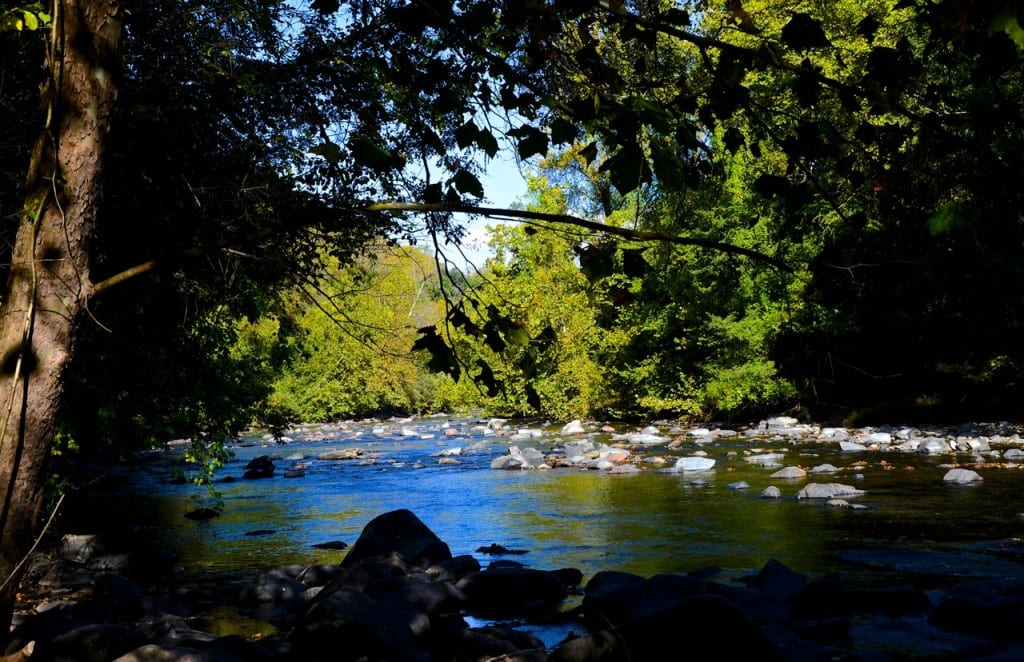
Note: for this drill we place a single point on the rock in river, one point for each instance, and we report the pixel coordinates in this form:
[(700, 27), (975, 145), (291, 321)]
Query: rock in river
[(961, 476), (690, 464), (827, 491)]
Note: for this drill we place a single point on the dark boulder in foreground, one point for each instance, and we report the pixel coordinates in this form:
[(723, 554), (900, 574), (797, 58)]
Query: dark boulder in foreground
[(401, 595), (398, 532)]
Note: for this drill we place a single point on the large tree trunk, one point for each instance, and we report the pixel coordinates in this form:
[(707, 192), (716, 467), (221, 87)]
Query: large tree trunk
[(49, 284)]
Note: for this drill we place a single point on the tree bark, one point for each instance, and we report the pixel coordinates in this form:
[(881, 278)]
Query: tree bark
[(49, 285)]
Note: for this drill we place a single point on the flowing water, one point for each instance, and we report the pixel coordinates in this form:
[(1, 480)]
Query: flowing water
[(646, 523)]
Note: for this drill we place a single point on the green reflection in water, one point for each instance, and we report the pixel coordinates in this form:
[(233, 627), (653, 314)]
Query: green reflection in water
[(647, 523)]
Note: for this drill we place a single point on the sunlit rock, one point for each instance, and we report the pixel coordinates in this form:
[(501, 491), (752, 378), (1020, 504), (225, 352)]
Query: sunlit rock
[(827, 491), (573, 427), (930, 445), (766, 459), (789, 472), (961, 476), (690, 464)]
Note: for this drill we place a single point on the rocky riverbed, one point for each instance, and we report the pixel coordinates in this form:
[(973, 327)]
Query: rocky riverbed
[(105, 591), (400, 594)]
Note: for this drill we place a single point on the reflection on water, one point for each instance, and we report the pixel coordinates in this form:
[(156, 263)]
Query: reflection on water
[(644, 523)]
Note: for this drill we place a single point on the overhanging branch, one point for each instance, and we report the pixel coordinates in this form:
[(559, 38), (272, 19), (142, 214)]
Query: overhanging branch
[(566, 219)]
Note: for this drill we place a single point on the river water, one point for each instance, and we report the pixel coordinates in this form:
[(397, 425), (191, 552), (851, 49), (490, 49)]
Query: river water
[(645, 523)]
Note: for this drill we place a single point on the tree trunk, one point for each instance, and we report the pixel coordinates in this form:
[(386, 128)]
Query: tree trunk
[(49, 284)]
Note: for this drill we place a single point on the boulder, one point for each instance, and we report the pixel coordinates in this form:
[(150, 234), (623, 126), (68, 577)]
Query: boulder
[(789, 472), (690, 464), (508, 591), (398, 531), (683, 630), (574, 427), (961, 476), (827, 491), (341, 454), (259, 467), (613, 597)]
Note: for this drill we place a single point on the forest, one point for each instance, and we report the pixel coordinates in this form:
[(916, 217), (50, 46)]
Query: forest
[(232, 213)]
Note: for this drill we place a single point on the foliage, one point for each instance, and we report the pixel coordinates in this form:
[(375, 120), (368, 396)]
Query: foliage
[(350, 355), (31, 16)]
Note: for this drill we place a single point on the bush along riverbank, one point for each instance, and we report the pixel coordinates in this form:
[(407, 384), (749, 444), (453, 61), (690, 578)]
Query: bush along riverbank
[(400, 594)]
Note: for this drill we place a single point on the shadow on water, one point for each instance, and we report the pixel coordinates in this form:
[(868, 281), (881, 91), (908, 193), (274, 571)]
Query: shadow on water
[(646, 523)]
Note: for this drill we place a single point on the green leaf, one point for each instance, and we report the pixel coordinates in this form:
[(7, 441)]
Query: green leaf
[(667, 167), (326, 7), (563, 131), (442, 357), (517, 335), (467, 183), (806, 88), (31, 21), (486, 377), (1007, 22), (371, 155), (466, 134), (804, 33), (868, 27), (487, 142), (531, 141), (946, 218), (457, 317), (677, 17), (769, 185), (330, 152), (633, 263), (589, 153), (627, 168), (493, 339), (532, 398), (733, 139)]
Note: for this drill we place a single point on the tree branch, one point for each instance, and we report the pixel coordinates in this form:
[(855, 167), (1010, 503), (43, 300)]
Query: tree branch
[(566, 219)]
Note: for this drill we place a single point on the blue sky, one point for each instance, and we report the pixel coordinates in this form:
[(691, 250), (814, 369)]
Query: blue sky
[(503, 185)]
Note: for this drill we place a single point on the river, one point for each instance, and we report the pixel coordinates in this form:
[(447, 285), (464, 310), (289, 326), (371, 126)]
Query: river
[(646, 523)]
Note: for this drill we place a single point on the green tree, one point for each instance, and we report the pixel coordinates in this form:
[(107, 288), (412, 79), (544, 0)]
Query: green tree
[(530, 329), (327, 114), (351, 353)]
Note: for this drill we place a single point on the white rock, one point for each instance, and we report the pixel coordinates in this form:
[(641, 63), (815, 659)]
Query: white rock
[(573, 427), (688, 464), (961, 476), (765, 459), (789, 472), (827, 491), (851, 446), (771, 492)]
